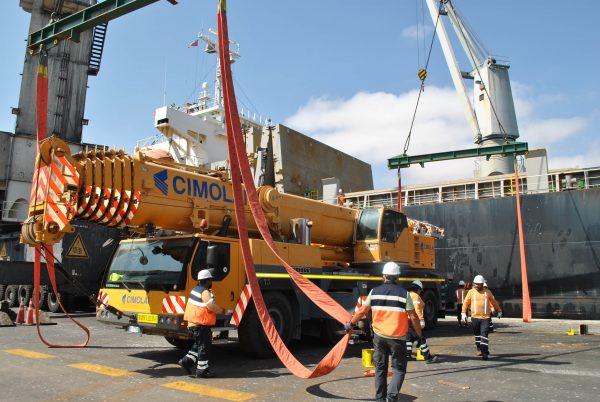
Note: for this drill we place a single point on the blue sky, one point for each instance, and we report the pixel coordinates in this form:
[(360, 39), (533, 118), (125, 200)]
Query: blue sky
[(344, 72)]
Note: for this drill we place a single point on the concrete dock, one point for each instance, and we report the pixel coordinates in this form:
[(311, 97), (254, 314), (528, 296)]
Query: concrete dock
[(537, 361)]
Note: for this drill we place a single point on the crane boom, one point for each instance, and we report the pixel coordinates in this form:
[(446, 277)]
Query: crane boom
[(455, 72), (71, 27), (491, 111)]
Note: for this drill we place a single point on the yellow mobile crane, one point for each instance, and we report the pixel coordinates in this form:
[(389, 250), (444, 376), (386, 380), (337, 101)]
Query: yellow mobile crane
[(181, 220)]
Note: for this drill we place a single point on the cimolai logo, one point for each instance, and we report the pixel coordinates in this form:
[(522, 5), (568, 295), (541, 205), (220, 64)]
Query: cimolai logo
[(193, 187), (126, 299), (160, 180)]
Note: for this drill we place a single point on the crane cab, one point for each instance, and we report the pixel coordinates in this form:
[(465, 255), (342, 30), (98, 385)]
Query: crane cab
[(386, 234)]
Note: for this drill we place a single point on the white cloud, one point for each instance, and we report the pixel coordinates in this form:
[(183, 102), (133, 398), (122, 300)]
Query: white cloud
[(373, 127), (550, 131), (419, 32)]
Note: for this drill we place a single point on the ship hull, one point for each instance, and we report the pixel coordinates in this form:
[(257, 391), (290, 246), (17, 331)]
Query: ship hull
[(562, 247)]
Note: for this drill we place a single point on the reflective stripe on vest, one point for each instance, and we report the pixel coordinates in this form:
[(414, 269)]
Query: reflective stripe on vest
[(196, 311), (480, 303), (460, 295), (388, 307)]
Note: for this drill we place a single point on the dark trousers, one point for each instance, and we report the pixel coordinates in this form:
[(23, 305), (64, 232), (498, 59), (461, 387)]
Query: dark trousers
[(480, 330), (458, 313), (412, 336), (384, 348), (200, 351)]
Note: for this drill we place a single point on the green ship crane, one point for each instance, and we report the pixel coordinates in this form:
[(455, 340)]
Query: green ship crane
[(72, 26)]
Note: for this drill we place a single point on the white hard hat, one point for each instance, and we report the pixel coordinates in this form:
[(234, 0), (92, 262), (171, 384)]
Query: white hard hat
[(340, 191), (391, 268), (204, 274), (485, 284), (478, 279), (461, 283), (419, 284)]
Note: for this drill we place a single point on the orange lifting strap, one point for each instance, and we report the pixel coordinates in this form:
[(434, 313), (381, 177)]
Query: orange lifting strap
[(42, 183), (240, 170)]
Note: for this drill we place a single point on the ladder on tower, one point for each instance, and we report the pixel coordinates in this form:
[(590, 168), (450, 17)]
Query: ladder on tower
[(98, 39)]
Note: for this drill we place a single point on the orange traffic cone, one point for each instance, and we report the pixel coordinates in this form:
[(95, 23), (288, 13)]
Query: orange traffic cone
[(29, 315), (21, 314)]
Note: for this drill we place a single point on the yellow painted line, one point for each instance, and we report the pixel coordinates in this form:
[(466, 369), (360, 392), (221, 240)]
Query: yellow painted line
[(206, 390), (27, 353), (345, 277), (96, 368)]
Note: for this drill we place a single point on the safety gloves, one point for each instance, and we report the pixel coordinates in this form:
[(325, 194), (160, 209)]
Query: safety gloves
[(463, 317), (499, 314), (422, 322), (349, 326)]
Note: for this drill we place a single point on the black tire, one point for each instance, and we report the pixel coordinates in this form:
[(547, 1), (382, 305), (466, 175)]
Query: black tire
[(2, 289), (184, 344), (331, 331), (43, 297), (52, 301), (430, 308), (25, 292), (251, 334), (11, 295)]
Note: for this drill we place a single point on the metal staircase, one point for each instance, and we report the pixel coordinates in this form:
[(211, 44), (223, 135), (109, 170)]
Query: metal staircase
[(97, 48)]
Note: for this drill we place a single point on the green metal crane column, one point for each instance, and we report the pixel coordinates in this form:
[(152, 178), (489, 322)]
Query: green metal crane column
[(71, 26), (513, 148)]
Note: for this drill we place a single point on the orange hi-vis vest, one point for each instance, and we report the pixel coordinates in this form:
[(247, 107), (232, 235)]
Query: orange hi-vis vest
[(461, 293), (481, 303), (196, 310), (388, 308), (418, 303)]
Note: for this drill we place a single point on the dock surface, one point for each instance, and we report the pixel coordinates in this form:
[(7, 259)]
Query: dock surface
[(537, 361)]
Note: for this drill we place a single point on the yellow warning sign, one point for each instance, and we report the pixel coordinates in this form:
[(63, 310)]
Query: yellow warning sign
[(77, 249)]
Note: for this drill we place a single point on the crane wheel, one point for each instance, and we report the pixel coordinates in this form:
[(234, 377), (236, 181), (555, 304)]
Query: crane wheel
[(11, 295), (430, 310), (24, 293), (250, 332)]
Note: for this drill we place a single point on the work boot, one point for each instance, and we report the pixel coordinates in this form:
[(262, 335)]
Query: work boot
[(186, 363), (485, 356), (205, 374), (432, 359)]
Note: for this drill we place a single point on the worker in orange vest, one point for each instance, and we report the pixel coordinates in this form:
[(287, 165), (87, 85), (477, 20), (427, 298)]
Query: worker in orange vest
[(481, 302), (461, 292), (201, 314), (415, 294), (391, 309)]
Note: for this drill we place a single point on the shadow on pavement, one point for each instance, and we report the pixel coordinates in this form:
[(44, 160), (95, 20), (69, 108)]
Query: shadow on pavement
[(319, 392)]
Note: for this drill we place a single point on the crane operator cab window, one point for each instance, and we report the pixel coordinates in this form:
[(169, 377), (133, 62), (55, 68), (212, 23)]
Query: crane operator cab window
[(392, 225), (380, 224), (213, 256), (151, 264)]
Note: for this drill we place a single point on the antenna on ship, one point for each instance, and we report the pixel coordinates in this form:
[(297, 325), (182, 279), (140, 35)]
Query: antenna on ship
[(212, 48)]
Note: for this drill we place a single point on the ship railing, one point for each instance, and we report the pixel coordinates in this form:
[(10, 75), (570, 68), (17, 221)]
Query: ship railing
[(492, 187), (149, 141), (191, 160), (14, 211)]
